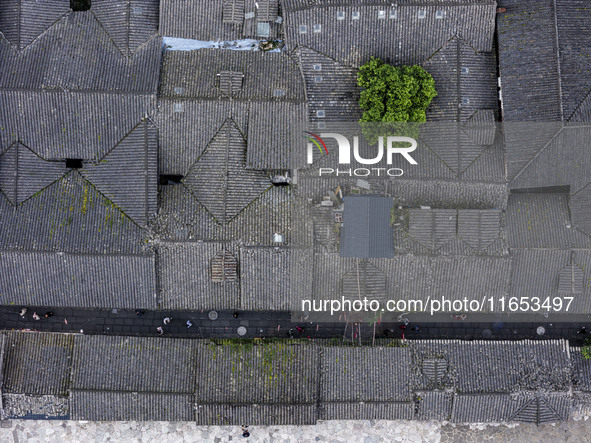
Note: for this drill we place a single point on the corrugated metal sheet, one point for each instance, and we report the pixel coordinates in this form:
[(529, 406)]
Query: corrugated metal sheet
[(37, 363), (77, 280), (185, 277), (140, 406), (134, 364)]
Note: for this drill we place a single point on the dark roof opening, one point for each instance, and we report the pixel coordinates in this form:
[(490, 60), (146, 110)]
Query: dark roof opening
[(80, 5), (170, 180), (74, 163)]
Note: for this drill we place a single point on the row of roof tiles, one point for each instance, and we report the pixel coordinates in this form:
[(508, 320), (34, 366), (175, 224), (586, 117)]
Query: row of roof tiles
[(64, 376)]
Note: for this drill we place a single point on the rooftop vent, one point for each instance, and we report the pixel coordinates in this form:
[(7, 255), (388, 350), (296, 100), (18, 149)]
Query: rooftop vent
[(340, 15), (80, 5), (74, 163)]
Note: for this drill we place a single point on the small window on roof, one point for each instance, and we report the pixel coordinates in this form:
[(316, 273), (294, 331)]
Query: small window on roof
[(340, 15), (178, 107), (263, 29), (317, 28), (465, 70), (317, 67), (166, 179), (422, 13), (355, 15), (80, 5), (320, 113), (393, 14), (381, 14), (303, 29), (318, 78), (279, 92), (74, 163)]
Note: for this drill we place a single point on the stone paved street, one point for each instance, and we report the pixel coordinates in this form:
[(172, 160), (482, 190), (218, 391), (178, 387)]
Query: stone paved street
[(267, 324), (18, 431)]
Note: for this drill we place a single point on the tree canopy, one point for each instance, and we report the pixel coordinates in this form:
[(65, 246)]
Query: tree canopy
[(394, 94)]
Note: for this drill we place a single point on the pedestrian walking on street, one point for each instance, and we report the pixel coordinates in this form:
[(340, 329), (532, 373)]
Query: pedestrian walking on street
[(299, 329), (23, 312), (139, 312), (235, 314), (583, 330), (245, 432), (290, 333), (167, 320), (35, 316), (48, 314), (160, 330), (417, 329), (189, 324)]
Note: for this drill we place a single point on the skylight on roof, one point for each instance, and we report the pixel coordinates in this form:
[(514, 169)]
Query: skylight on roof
[(465, 70), (80, 5), (440, 14), (381, 14), (340, 15), (422, 13), (279, 92), (137, 10), (320, 113), (393, 14), (465, 101), (248, 15), (179, 90), (321, 125), (178, 107), (317, 28), (318, 78), (303, 29), (317, 67), (355, 15)]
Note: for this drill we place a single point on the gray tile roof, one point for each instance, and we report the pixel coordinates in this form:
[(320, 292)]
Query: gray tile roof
[(71, 280), (267, 105), (230, 383), (219, 19), (274, 278), (37, 363), (366, 229), (543, 60), (185, 276), (365, 31)]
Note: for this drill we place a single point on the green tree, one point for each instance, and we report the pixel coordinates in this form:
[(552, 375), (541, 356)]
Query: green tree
[(393, 96)]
